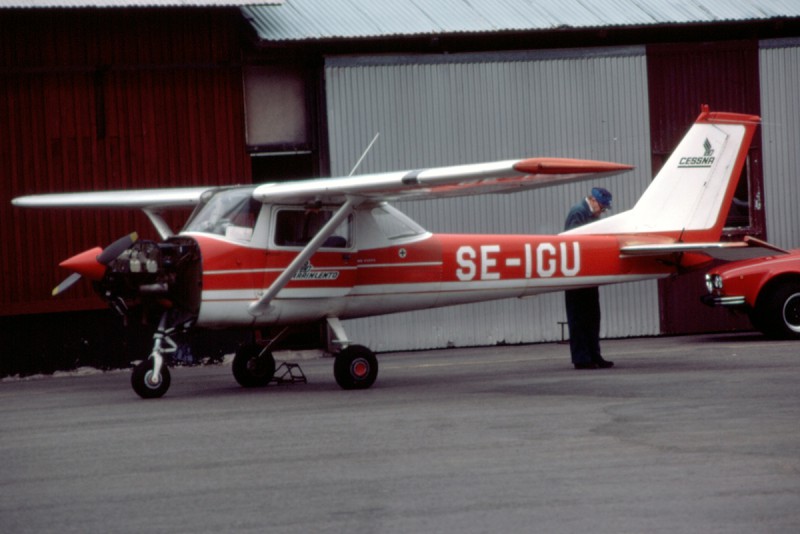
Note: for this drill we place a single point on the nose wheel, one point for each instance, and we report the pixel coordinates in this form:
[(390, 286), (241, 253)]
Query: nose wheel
[(149, 384), (151, 379)]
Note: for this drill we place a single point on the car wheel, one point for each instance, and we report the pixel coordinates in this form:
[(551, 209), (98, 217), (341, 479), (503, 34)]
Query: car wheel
[(778, 311)]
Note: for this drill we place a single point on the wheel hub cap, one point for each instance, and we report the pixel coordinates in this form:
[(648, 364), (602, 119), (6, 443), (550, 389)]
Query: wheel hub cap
[(360, 369), (791, 312)]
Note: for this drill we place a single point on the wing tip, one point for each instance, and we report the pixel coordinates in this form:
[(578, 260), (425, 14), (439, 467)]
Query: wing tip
[(569, 166)]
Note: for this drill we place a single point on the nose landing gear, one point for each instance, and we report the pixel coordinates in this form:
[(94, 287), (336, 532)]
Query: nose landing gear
[(151, 378)]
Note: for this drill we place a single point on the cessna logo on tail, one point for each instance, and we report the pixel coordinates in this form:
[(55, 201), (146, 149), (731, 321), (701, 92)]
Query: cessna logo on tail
[(699, 162)]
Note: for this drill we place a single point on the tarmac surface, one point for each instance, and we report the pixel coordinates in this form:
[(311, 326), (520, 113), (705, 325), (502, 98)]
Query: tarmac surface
[(685, 434)]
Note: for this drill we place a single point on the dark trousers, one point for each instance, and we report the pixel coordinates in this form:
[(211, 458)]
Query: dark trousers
[(583, 317)]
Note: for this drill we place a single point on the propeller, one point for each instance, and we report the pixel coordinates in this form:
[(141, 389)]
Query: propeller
[(92, 263)]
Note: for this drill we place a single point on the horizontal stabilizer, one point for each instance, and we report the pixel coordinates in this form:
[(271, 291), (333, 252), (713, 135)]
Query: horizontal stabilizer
[(727, 251)]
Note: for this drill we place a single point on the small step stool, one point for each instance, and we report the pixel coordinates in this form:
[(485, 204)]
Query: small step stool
[(291, 374)]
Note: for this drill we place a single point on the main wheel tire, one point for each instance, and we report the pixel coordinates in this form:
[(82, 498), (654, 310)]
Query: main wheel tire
[(253, 366), (140, 380), (778, 311), (355, 367)]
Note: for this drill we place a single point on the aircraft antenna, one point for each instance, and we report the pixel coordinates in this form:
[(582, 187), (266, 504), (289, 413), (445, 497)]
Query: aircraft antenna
[(364, 155)]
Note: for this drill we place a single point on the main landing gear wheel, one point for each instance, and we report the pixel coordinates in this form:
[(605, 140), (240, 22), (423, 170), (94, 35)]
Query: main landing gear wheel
[(355, 367), (253, 366), (142, 383)]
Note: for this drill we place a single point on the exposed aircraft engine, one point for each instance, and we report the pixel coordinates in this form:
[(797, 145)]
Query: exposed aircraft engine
[(166, 274)]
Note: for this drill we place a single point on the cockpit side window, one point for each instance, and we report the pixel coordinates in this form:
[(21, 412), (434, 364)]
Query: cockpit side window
[(296, 227)]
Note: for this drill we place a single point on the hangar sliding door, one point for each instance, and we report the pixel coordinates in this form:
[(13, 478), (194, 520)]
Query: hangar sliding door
[(682, 78), (462, 108)]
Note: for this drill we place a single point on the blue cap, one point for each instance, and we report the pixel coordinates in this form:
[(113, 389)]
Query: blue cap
[(602, 196)]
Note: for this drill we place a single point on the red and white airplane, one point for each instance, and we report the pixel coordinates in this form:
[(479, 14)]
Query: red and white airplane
[(333, 248)]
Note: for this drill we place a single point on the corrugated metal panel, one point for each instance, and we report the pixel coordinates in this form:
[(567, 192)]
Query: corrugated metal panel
[(44, 4), (780, 130), (312, 19), (482, 107)]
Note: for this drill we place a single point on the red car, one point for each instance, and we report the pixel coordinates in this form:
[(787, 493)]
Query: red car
[(767, 289)]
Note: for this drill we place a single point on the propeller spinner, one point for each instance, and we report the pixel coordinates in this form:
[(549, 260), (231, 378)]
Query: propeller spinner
[(92, 263)]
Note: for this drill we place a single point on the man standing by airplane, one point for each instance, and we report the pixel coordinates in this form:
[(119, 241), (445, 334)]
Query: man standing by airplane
[(583, 305)]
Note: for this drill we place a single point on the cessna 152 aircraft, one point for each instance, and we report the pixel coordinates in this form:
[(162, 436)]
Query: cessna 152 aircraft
[(333, 248)]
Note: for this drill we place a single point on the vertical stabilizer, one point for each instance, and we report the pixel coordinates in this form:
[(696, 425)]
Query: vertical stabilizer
[(689, 198)]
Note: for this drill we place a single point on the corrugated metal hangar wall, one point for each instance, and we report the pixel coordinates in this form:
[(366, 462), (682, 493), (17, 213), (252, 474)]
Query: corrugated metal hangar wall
[(779, 64), (442, 110)]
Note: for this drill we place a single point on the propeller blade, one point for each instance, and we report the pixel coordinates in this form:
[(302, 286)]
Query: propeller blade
[(66, 284), (112, 251), (92, 263)]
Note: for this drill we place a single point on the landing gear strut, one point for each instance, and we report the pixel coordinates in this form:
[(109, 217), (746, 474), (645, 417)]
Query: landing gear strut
[(355, 366), (151, 378)]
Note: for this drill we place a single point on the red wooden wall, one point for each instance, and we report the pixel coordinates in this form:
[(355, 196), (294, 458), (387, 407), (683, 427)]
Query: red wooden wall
[(681, 77), (108, 99)]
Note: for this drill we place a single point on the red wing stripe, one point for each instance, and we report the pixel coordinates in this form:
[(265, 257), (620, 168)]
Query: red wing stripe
[(568, 166)]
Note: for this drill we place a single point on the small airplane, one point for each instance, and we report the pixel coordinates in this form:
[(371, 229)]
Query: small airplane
[(328, 249)]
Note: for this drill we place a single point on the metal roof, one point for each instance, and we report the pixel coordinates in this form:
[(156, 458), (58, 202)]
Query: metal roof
[(296, 20), (45, 4)]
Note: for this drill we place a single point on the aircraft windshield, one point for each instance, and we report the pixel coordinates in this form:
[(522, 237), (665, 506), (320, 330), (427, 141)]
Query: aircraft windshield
[(230, 212), (395, 224)]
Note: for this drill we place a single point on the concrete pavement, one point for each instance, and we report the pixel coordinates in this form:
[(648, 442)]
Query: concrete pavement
[(685, 434)]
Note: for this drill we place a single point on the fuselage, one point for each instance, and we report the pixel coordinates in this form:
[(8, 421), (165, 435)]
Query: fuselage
[(424, 271)]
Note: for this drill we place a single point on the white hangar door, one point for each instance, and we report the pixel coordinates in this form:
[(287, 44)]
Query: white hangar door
[(463, 108)]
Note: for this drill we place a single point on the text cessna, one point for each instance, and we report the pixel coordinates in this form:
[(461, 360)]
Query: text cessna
[(545, 260)]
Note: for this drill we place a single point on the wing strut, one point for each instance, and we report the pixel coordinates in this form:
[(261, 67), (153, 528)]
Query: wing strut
[(261, 305), (159, 223)]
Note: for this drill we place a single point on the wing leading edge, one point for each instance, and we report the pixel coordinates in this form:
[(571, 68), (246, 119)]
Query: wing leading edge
[(135, 198), (459, 180)]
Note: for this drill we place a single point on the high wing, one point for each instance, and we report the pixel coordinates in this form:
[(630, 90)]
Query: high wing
[(135, 198), (457, 180)]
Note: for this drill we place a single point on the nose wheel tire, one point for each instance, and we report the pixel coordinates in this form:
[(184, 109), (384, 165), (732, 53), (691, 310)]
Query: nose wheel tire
[(253, 366), (142, 381), (355, 368)]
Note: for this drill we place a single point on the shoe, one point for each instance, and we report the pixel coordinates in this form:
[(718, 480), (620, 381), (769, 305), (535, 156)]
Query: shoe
[(603, 364), (587, 365)]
